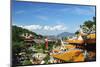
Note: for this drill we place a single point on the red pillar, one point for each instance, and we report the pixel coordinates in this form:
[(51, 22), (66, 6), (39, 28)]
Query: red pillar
[(46, 43)]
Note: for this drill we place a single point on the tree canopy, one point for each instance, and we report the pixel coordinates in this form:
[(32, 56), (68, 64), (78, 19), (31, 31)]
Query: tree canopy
[(89, 26)]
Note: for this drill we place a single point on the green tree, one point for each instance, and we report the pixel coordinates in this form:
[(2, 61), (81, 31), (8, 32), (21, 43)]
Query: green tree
[(77, 32), (89, 26)]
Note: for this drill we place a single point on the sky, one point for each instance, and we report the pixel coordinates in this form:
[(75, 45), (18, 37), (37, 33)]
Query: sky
[(50, 18)]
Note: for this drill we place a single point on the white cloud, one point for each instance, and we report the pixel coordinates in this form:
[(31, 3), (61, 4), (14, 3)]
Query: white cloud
[(45, 28), (33, 27), (55, 28), (84, 11), (42, 17), (20, 12), (79, 10)]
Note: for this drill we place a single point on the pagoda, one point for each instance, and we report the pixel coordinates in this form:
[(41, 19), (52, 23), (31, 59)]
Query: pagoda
[(28, 38)]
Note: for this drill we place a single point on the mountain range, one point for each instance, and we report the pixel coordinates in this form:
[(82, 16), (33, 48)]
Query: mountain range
[(64, 34)]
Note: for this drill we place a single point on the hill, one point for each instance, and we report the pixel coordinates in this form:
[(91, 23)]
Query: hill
[(17, 31), (64, 34)]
